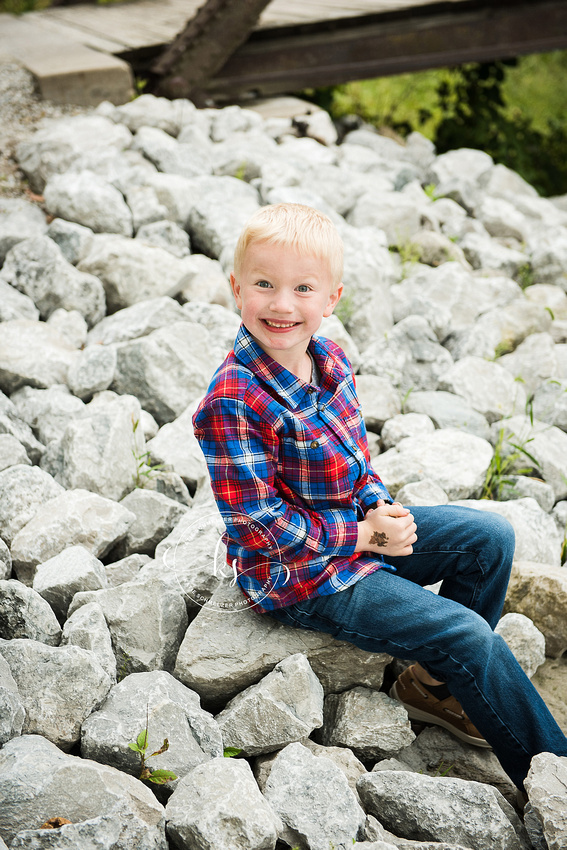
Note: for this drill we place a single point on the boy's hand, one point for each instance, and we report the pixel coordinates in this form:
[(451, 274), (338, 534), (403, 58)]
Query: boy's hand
[(387, 530)]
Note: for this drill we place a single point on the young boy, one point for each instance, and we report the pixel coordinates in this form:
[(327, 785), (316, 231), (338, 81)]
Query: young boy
[(316, 539)]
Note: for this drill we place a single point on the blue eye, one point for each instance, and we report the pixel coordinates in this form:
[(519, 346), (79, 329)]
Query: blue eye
[(263, 284), (303, 288)]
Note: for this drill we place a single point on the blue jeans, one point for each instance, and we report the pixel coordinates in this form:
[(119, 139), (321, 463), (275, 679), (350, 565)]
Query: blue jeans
[(450, 634)]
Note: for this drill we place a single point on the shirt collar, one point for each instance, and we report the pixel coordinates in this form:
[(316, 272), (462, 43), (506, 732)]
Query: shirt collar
[(288, 386)]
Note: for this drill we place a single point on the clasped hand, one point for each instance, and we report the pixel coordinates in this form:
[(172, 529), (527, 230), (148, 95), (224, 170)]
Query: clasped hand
[(387, 530)]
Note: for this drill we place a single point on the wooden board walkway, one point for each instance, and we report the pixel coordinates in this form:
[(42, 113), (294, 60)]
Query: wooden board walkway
[(85, 53)]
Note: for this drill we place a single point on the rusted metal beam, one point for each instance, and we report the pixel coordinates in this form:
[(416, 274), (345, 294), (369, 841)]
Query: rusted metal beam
[(217, 29), (292, 58)]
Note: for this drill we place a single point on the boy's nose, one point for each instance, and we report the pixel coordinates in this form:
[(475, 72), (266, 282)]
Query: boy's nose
[(281, 303)]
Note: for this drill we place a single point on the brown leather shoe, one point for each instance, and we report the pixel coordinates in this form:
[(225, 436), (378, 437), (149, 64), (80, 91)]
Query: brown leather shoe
[(422, 705)]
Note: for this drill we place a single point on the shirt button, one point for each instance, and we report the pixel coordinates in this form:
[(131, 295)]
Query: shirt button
[(310, 389), (314, 444)]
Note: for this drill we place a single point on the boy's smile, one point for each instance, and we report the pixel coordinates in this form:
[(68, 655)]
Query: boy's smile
[(283, 296)]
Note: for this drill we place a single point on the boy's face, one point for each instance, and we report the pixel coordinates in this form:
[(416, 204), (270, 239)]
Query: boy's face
[(283, 297)]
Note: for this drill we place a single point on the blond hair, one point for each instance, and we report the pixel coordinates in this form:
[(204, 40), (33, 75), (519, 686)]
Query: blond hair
[(302, 228)]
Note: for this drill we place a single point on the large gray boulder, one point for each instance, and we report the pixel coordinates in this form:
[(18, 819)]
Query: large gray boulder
[(426, 808), (25, 614), (33, 354), (220, 206), (379, 400), (11, 423), (167, 709), (73, 570), (108, 809), (455, 460), (15, 305), (447, 410), (170, 155), (72, 518), (539, 591), (166, 370), (371, 724), (73, 239), (5, 561), (12, 711), (175, 444), (550, 403), (218, 805), (285, 706), (92, 371), (58, 685), (226, 649), (312, 797), (156, 515), (146, 619), (87, 629), (546, 785), (23, 491), (87, 199), (500, 330), (38, 269), (546, 443)]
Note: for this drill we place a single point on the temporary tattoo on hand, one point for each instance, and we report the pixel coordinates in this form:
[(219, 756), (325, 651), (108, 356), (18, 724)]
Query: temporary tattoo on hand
[(379, 538)]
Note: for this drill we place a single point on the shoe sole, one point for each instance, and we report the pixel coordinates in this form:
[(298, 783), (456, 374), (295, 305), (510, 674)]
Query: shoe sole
[(424, 717)]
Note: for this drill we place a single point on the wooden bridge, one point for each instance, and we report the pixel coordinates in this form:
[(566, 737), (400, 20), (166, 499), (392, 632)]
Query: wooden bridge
[(85, 53)]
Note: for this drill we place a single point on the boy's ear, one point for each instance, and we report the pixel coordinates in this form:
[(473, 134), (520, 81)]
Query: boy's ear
[(235, 286), (334, 299)]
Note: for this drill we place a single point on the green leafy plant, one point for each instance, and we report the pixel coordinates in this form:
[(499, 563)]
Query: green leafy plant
[(505, 462), (230, 752), (148, 774), (404, 400), (144, 468)]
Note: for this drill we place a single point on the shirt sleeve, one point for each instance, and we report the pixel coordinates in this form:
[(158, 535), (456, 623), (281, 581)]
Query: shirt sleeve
[(241, 451)]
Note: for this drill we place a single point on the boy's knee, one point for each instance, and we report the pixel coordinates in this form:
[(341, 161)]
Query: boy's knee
[(501, 534)]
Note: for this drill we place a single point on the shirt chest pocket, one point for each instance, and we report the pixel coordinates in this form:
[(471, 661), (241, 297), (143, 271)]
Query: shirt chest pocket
[(317, 467)]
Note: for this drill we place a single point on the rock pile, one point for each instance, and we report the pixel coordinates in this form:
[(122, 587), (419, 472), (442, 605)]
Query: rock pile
[(117, 616)]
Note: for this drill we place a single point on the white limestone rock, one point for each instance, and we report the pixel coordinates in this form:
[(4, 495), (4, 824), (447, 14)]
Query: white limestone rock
[(12, 452), (19, 220), (147, 620), (166, 370), (220, 208), (158, 702), (12, 711), (71, 325), (147, 110), (405, 425), (424, 492), (218, 804), (489, 388), (537, 536), (47, 411), (447, 410), (524, 639), (24, 614), (33, 354), (100, 450), (92, 371), (71, 571), (539, 591), (482, 252), (138, 320), (285, 706), (393, 212), (410, 356), (37, 267), (546, 785), (550, 402), (207, 282), (379, 400), (453, 459), (427, 808), (59, 687), (85, 198), (74, 517), (532, 362), (156, 516), (125, 569), (107, 808), (312, 797), (166, 234), (87, 629), (15, 305), (74, 240), (170, 155), (366, 721), (527, 487), (56, 145), (131, 271), (501, 330), (456, 173), (23, 491), (5, 561)]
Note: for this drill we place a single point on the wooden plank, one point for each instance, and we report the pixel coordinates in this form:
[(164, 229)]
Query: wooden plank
[(326, 55)]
